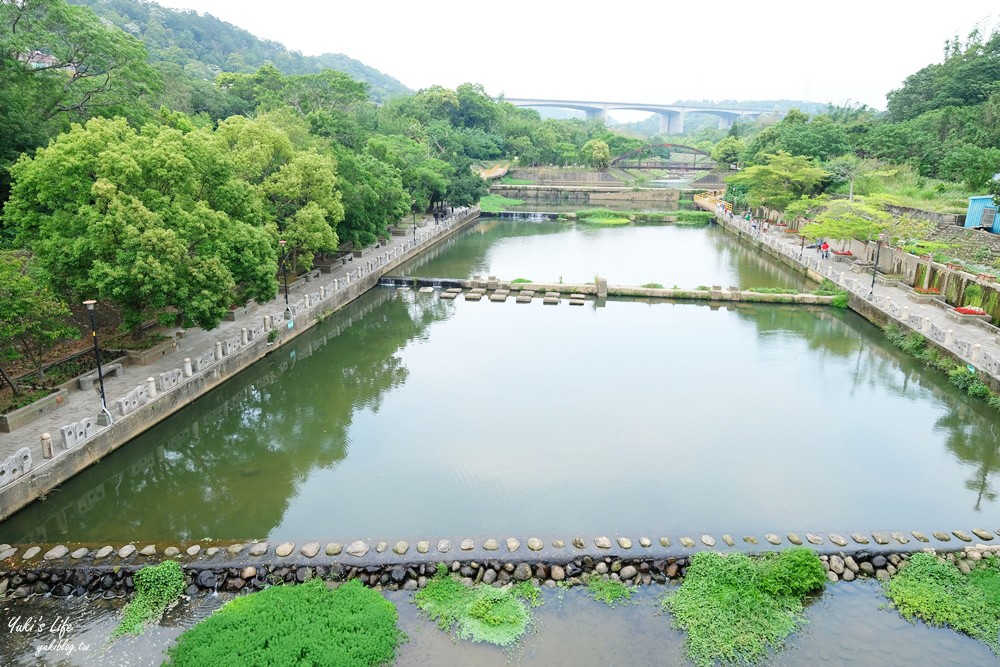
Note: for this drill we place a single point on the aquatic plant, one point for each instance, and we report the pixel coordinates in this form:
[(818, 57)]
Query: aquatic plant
[(480, 613), (609, 591), (938, 594), (156, 586), (350, 626), (736, 608)]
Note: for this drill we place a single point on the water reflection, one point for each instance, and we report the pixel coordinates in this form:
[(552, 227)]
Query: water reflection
[(407, 417), (228, 465)]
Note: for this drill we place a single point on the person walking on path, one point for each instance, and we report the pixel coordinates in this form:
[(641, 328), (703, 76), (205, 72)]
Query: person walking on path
[(825, 250)]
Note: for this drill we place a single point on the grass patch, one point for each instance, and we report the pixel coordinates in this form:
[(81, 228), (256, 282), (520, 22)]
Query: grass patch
[(509, 180), (773, 290), (521, 280), (497, 203), (351, 626), (653, 286), (480, 613), (156, 587), (9, 402), (938, 594), (609, 591), (736, 608)]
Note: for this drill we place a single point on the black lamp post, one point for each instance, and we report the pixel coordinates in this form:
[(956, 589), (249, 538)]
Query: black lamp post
[(284, 267), (90, 303), (878, 249)]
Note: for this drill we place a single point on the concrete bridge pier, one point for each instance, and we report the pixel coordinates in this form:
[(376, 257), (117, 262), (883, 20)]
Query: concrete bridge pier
[(600, 114), (725, 122), (671, 122)]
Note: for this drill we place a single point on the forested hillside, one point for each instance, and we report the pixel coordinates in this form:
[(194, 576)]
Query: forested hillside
[(202, 46)]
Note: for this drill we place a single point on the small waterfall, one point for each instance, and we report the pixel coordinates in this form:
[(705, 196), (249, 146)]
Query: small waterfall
[(529, 216)]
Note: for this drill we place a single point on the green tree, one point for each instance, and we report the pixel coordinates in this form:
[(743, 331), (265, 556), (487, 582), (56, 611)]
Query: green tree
[(864, 219), (32, 318), (779, 180), (728, 151), (597, 154), (373, 197), (126, 217)]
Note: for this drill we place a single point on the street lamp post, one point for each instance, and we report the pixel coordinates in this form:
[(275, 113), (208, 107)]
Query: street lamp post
[(97, 354), (878, 249), (284, 267)]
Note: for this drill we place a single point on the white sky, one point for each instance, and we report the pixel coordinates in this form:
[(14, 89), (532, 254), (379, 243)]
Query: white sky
[(653, 51)]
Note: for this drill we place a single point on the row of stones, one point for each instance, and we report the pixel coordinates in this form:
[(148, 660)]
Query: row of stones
[(840, 567), (523, 296), (360, 548)]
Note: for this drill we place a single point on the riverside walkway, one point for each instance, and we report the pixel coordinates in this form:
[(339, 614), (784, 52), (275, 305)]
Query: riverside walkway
[(141, 395), (968, 339)]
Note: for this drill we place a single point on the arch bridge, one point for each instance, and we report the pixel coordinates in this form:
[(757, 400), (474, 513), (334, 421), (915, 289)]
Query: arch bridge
[(671, 115)]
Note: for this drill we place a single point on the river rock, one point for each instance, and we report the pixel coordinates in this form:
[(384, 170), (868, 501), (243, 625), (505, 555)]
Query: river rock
[(423, 546), (444, 546), (984, 535), (708, 540), (468, 545), (645, 542), (489, 576), (56, 552), (578, 543), (943, 537), (522, 572), (795, 539), (851, 564), (193, 550), (601, 568), (728, 539), (7, 553), (879, 561), (535, 544), (920, 537), (962, 535), (859, 538), (310, 550), (334, 549), (103, 552), (832, 577), (211, 551), (491, 544), (814, 538), (236, 548), (624, 543), (882, 575), (687, 542), (772, 538), (512, 544), (31, 553), (258, 549), (602, 543), (235, 584), (357, 549), (867, 568), (171, 552), (837, 539), (848, 575), (557, 573), (411, 585), (664, 542), (400, 548), (126, 551), (963, 567), (207, 579), (249, 572), (750, 539), (836, 564), (627, 572), (559, 544), (76, 555), (899, 537), (381, 546), (148, 550), (397, 575)]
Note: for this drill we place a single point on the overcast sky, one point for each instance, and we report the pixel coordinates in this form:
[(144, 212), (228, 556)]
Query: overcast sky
[(630, 51)]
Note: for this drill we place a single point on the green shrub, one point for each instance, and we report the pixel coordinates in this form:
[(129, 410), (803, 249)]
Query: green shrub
[(156, 587), (773, 290), (938, 594), (497, 203), (973, 295), (653, 286), (351, 626), (839, 299), (735, 608), (480, 613), (521, 280)]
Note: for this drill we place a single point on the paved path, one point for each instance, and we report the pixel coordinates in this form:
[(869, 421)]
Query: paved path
[(969, 340), (197, 342)]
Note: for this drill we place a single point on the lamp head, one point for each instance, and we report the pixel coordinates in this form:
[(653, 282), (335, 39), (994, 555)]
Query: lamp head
[(282, 243), (89, 303)]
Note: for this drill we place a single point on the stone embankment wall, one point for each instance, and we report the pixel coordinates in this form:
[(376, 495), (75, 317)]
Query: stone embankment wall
[(108, 573), (146, 405)]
